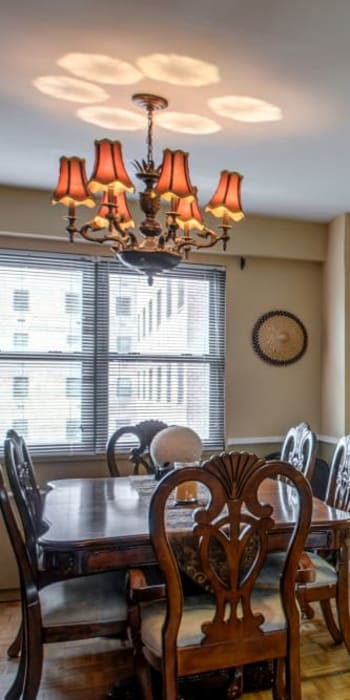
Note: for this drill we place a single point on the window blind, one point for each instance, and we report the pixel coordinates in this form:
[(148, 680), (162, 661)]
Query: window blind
[(88, 346)]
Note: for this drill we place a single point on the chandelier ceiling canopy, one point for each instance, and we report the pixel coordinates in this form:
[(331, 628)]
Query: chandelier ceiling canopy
[(153, 248)]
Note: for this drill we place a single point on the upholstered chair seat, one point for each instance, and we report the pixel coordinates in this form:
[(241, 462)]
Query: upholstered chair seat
[(90, 600), (197, 610), (324, 574)]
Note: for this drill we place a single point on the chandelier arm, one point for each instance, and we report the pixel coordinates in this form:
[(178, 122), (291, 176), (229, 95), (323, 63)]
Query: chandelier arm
[(116, 225), (212, 236), (71, 219), (87, 232)]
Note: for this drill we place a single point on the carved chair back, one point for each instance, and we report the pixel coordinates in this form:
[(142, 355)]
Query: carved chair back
[(139, 456), (235, 629), (22, 479), (338, 488), (299, 449)]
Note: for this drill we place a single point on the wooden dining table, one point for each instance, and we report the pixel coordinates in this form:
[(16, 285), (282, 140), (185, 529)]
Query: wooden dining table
[(98, 524)]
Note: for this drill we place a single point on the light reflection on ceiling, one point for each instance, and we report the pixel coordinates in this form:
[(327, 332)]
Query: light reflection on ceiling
[(187, 123), (170, 68), (243, 108), (100, 68), (64, 88), (112, 118), (178, 70)]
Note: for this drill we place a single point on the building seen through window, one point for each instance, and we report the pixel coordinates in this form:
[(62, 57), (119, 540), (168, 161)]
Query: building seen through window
[(20, 300), (20, 340), (123, 306)]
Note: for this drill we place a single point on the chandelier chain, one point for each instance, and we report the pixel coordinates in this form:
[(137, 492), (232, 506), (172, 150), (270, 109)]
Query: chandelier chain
[(150, 135)]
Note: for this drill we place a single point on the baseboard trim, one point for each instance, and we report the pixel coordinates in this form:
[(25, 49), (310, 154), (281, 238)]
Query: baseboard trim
[(9, 595), (329, 439)]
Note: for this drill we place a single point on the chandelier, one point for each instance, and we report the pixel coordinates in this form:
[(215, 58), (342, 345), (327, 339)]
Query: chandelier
[(154, 248)]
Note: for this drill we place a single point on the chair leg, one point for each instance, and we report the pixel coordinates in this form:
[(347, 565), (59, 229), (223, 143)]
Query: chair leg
[(15, 647), (330, 621), (235, 688), (32, 650), (144, 680), (278, 688), (15, 691)]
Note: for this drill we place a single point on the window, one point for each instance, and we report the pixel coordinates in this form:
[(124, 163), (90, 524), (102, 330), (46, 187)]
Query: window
[(20, 387), (123, 344), (20, 340), (159, 307), (159, 383), (73, 386), (180, 383), (72, 303), (21, 427), (124, 387), (123, 306), (168, 384), (150, 383), (87, 371), (73, 341), (138, 384), (73, 431), (169, 299), (20, 300), (150, 315), (180, 295)]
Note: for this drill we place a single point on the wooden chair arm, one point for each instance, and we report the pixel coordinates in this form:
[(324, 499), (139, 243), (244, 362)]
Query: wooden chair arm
[(306, 572), (140, 591)]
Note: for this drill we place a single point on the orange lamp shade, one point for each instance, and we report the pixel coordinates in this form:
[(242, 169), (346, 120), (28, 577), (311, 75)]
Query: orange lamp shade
[(72, 187), (174, 179), (121, 209), (188, 215), (227, 198), (109, 169)]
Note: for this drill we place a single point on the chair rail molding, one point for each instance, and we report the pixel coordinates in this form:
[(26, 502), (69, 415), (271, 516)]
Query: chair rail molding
[(330, 439), (254, 440)]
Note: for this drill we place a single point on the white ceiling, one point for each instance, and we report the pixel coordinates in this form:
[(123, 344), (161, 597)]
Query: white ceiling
[(292, 53)]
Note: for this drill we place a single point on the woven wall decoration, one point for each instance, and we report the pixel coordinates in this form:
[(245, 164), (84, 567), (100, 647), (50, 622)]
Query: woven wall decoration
[(279, 338)]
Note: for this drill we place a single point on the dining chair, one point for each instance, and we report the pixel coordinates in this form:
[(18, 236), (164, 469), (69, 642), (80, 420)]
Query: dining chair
[(139, 456), (299, 448), (29, 502), (232, 623), (79, 608), (323, 585)]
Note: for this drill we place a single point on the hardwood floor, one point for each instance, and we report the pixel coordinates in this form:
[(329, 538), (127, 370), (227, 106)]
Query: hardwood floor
[(87, 670), (84, 670)]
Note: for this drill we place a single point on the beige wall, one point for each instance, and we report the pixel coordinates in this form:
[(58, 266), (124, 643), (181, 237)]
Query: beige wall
[(262, 399), (333, 335), (284, 270), (30, 212)]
